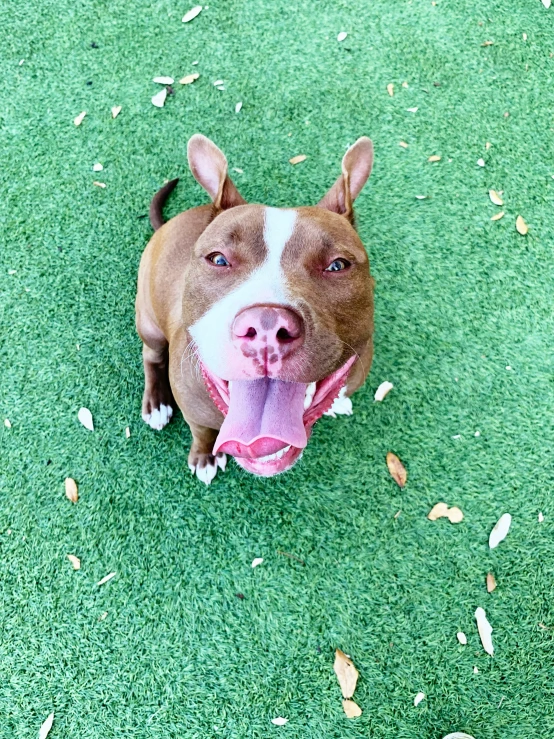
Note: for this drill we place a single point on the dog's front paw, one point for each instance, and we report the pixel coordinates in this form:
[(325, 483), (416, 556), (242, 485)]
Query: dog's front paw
[(342, 406), (205, 466), (157, 418)]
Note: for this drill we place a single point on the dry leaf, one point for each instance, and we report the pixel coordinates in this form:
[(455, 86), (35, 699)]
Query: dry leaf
[(485, 631), (491, 582), (189, 79), (79, 119), (412, 110), (192, 13), (521, 226), (7, 423), (116, 110), (403, 144), (163, 80), (257, 561), (488, 43), (462, 638), (279, 721), (159, 98), (128, 432), (220, 87), (500, 531), (75, 561), (434, 158), (106, 579), (46, 726), (488, 145), (97, 167), (102, 185), (405, 84), (238, 169), (524, 36), (390, 89), (437, 511), (457, 735), (480, 162), (218, 82), (341, 36), (298, 159), (419, 697), (397, 469), (455, 515), (346, 673), (71, 490), (383, 390), (422, 197), (546, 4), (541, 517), (238, 107), (475, 671), (351, 709), (495, 197), (498, 216)]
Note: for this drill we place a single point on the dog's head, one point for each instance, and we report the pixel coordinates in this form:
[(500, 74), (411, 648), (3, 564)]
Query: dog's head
[(279, 302)]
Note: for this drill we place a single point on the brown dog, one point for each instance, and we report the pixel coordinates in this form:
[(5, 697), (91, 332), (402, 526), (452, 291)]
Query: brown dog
[(256, 320)]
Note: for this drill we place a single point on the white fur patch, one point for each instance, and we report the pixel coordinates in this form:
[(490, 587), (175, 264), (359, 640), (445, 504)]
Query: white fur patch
[(342, 406), (159, 417), (207, 473), (267, 284)]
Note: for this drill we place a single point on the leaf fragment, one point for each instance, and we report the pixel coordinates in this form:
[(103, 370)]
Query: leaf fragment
[(7, 423), (498, 216), (455, 515), (480, 162), (46, 726), (163, 80), (500, 530), (419, 697), (405, 84), (487, 43), (412, 110), (127, 433), (390, 89), (71, 490), (495, 197), (458, 735), (257, 561), (485, 630), (546, 4), (342, 35), (462, 638), (116, 110), (434, 158), (351, 709), (297, 159), (397, 470), (403, 144), (159, 98), (346, 673), (106, 579), (238, 107), (102, 185), (541, 517), (75, 561), (521, 226), (383, 390), (79, 119), (192, 13), (491, 582), (97, 167), (437, 511), (189, 79), (279, 721)]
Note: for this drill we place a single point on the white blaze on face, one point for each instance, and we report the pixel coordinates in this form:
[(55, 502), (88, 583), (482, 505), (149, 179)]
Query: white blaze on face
[(267, 284)]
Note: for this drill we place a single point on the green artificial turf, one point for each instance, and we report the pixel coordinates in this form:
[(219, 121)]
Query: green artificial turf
[(459, 299)]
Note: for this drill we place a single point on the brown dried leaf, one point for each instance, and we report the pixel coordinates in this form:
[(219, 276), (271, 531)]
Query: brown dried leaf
[(397, 469), (434, 158), (75, 561), (351, 709), (390, 89), (455, 515), (521, 226), (346, 673), (498, 216), (297, 159), (491, 582), (71, 490), (189, 79), (495, 197), (438, 511)]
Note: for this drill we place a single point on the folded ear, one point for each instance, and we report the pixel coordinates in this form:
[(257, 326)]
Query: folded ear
[(356, 168), (209, 167)]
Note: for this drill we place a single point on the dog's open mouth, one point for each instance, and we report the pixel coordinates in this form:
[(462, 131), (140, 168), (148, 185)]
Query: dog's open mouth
[(268, 421)]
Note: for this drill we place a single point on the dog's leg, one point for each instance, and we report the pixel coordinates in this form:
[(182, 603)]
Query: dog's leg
[(202, 461), (157, 401)]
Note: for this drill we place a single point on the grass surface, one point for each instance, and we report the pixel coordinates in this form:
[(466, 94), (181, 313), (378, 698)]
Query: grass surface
[(459, 298)]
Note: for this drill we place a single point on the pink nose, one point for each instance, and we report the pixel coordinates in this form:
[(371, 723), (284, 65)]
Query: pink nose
[(278, 331)]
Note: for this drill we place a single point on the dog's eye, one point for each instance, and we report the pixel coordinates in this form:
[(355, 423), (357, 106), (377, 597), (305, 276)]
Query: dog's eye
[(338, 265), (218, 259)]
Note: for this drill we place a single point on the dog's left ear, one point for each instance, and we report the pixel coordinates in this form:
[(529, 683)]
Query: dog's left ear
[(356, 168), (209, 167)]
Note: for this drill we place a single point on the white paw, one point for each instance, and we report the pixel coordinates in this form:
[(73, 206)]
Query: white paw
[(342, 406), (159, 417), (207, 472)]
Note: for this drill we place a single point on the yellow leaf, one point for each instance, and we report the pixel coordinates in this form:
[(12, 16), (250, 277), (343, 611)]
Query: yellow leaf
[(495, 197), (298, 159), (351, 709), (71, 491), (437, 511), (346, 673), (397, 470), (189, 79), (390, 89), (498, 216), (434, 158), (521, 226)]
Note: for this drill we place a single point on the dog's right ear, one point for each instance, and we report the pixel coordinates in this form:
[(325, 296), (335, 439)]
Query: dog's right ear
[(209, 167)]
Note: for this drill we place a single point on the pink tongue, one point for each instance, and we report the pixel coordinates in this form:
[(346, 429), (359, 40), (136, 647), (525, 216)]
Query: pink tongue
[(264, 416)]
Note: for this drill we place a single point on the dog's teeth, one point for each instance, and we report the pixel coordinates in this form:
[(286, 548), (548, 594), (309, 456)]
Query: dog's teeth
[(275, 455), (308, 398)]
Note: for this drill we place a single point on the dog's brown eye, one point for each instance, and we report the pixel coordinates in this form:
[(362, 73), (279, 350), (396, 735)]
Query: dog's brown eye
[(338, 265), (218, 259)]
